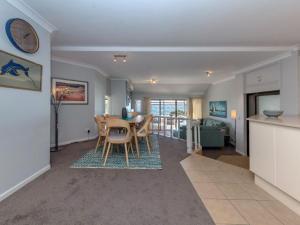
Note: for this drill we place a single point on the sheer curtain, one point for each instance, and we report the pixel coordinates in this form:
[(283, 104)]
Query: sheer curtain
[(195, 108), (147, 105)]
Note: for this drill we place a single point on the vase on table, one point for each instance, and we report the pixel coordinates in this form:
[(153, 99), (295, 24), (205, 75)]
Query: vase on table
[(124, 113)]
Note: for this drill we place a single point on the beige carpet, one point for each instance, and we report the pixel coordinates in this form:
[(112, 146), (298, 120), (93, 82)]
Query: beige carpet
[(237, 160)]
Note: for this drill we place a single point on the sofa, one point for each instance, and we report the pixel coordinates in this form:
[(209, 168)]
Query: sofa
[(213, 132)]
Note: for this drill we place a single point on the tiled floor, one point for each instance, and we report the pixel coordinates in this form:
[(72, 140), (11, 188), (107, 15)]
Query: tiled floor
[(231, 197)]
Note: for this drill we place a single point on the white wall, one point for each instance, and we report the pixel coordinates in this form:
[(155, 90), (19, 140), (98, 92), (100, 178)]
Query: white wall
[(263, 79), (100, 92), (118, 96), (75, 120), (225, 91), (282, 75), (24, 115), (290, 85)]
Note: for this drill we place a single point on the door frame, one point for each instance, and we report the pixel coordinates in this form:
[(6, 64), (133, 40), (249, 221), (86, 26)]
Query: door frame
[(255, 95)]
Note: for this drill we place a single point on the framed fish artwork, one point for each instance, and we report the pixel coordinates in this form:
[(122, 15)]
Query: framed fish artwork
[(20, 73), (71, 92)]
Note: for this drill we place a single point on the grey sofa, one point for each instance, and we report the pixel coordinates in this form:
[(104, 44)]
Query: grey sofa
[(213, 133)]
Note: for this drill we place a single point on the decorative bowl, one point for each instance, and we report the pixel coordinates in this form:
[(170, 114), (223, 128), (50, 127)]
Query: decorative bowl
[(273, 113)]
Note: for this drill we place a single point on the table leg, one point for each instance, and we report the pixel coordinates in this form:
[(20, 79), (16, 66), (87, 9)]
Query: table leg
[(136, 142)]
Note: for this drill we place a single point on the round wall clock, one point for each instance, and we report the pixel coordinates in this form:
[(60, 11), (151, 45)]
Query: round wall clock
[(22, 35)]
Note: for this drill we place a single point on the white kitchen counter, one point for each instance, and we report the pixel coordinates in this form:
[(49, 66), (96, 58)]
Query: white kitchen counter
[(275, 157), (288, 121)]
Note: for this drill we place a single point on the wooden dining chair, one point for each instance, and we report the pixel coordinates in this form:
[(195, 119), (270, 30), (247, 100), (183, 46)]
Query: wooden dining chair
[(101, 125), (144, 132), (134, 114), (118, 138)]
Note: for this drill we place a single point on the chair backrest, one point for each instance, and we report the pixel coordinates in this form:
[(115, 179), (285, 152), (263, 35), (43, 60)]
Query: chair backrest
[(119, 123), (101, 125), (133, 114), (146, 126), (107, 116)]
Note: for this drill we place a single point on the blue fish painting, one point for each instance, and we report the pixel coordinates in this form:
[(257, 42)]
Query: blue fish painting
[(19, 73), (12, 68)]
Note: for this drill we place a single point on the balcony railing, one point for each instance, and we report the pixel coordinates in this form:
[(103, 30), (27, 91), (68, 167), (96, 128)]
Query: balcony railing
[(179, 128)]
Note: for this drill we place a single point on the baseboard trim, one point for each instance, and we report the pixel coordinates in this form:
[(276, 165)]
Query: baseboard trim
[(24, 182), (240, 152), (281, 196), (74, 140)]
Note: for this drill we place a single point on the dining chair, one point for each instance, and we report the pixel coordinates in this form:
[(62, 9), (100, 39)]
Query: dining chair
[(101, 125), (118, 138), (144, 132), (134, 114)]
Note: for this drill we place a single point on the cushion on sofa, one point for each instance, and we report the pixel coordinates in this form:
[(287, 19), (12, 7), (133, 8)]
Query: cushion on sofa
[(213, 123)]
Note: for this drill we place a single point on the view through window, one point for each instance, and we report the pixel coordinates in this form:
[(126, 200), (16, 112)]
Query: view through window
[(138, 106), (173, 107), (169, 117)]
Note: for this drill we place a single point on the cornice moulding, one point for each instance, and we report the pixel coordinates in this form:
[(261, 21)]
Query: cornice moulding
[(264, 63), (171, 49), (32, 14), (58, 59), (224, 80)]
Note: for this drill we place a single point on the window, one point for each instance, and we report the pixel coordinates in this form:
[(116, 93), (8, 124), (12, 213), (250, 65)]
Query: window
[(107, 105), (138, 106), (169, 107)]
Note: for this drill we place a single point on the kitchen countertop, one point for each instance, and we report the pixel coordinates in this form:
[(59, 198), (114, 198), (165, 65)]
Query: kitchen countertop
[(287, 121)]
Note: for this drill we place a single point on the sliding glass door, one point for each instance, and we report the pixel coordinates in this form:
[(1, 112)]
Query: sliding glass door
[(170, 116)]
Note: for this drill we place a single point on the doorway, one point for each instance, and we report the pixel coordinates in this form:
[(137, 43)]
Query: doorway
[(258, 102)]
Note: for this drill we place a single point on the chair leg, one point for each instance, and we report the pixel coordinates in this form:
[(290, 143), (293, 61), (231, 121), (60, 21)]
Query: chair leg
[(131, 148), (107, 151), (104, 147), (112, 149), (148, 146), (98, 143), (150, 143), (126, 154)]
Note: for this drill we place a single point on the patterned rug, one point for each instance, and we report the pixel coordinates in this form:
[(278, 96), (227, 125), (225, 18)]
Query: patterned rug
[(116, 160)]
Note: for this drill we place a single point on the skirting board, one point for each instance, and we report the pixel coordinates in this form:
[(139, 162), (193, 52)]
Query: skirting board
[(24, 182), (75, 140), (290, 202), (240, 152)]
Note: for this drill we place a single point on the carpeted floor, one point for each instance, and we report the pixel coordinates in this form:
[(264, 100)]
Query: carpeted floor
[(69, 196)]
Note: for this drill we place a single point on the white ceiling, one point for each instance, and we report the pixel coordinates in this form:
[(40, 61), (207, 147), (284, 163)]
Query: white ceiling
[(151, 32), (182, 90), (170, 68), (172, 22)]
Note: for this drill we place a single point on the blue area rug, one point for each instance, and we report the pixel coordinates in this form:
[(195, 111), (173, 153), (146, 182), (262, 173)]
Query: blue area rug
[(117, 160)]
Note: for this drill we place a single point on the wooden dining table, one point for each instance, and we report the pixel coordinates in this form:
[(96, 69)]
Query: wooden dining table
[(134, 121)]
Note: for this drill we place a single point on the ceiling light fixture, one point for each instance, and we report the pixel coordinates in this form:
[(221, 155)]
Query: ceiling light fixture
[(209, 73), (120, 58), (152, 81)]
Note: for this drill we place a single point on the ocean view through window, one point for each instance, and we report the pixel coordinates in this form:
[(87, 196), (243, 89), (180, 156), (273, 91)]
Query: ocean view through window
[(169, 107), (170, 117)]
